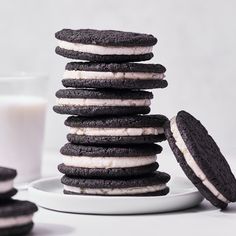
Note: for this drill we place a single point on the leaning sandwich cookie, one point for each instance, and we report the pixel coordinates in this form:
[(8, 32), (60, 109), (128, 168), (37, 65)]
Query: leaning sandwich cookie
[(7, 176), (114, 75), (90, 102), (201, 159), (104, 45)]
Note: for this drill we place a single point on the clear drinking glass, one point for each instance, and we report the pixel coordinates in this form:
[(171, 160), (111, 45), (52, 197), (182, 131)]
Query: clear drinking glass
[(22, 119)]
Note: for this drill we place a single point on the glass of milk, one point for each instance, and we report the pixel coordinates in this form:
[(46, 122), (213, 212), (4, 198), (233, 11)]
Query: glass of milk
[(22, 119)]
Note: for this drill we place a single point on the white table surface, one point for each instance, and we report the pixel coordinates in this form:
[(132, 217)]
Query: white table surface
[(203, 220)]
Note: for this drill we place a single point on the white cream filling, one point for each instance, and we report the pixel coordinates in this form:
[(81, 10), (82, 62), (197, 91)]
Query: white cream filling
[(103, 50), (116, 131), (77, 74), (103, 102), (108, 162), (116, 191), (191, 162), (6, 186), (15, 221)]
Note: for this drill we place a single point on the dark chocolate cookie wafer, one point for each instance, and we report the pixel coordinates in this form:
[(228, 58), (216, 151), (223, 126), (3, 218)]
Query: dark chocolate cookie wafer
[(104, 45), (154, 184), (111, 150), (89, 102), (114, 75), (16, 217), (108, 173), (7, 176), (116, 130), (201, 159)]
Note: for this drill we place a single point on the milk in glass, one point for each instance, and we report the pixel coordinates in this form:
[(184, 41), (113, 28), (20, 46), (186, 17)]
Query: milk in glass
[(22, 120)]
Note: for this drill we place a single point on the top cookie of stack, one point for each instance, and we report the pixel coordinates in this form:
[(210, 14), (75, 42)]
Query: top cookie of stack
[(104, 45), (111, 149)]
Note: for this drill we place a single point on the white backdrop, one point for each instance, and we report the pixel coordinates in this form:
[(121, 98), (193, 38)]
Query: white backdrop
[(196, 43)]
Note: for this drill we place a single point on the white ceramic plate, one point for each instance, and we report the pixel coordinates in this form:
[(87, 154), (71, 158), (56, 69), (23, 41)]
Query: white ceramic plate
[(48, 193)]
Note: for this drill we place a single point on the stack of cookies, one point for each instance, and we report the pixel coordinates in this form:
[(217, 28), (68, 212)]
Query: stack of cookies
[(111, 148), (15, 215)]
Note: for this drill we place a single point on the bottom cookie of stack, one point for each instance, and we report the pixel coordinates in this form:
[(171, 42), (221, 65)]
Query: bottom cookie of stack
[(149, 185)]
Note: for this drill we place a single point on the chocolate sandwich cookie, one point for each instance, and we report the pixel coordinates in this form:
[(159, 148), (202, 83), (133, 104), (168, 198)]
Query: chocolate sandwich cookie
[(7, 176), (153, 184), (90, 102), (104, 45), (201, 159), (16, 217), (109, 161), (136, 129), (114, 75)]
